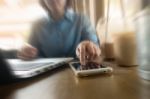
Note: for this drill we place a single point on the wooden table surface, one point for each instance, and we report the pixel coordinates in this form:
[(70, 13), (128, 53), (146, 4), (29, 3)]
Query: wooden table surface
[(124, 83)]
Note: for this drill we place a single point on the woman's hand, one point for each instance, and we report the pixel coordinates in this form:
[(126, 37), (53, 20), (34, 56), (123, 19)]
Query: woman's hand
[(28, 52), (87, 51)]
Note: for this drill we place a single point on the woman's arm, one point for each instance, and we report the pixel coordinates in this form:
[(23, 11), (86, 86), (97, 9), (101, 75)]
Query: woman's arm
[(88, 49), (88, 31)]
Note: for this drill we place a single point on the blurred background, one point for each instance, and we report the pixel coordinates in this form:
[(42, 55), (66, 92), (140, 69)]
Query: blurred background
[(16, 17)]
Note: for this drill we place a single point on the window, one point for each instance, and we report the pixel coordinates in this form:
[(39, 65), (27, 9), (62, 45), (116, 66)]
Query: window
[(16, 17)]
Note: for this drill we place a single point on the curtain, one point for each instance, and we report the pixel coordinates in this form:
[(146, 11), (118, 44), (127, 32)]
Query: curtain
[(92, 8)]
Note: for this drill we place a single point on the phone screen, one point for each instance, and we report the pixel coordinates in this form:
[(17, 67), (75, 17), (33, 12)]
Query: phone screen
[(77, 66)]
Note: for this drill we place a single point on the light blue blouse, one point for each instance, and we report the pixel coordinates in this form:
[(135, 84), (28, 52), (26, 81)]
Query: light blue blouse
[(60, 39)]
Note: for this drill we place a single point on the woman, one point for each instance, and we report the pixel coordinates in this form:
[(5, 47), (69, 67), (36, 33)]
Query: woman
[(63, 33)]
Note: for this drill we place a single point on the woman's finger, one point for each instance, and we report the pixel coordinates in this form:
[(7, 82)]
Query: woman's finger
[(91, 51), (27, 53), (82, 54), (98, 51), (78, 52)]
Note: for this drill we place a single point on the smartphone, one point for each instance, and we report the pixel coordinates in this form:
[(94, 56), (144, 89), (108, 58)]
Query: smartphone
[(75, 66)]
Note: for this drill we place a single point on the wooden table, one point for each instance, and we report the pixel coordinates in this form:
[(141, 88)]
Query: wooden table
[(124, 83)]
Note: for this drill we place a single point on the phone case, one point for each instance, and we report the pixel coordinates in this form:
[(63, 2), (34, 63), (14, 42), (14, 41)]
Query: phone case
[(80, 73)]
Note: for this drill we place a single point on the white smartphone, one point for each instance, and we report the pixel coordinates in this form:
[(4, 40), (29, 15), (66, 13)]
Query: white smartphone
[(75, 66)]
